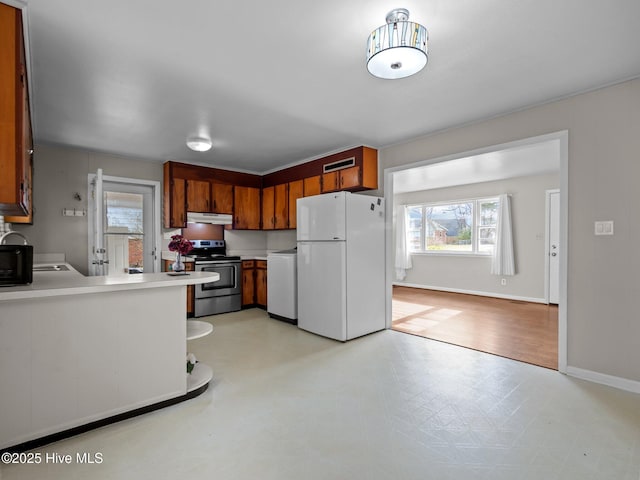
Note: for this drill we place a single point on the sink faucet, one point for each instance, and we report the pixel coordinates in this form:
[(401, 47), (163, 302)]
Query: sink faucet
[(13, 232)]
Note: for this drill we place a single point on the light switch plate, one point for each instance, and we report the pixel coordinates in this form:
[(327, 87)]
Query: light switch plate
[(603, 228)]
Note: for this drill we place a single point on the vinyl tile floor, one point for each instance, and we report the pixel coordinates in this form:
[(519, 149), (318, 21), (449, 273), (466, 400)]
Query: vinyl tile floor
[(287, 404)]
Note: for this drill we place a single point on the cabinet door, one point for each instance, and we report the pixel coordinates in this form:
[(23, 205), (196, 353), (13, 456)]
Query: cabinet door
[(295, 192), (350, 178), (178, 203), (25, 142), (246, 207), (198, 196), (330, 182), (312, 186), (261, 283), (248, 286), (14, 194), (191, 291), (268, 213), (222, 196), (281, 207)]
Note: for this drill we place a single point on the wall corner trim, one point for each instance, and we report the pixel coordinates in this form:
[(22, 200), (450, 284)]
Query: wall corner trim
[(604, 379)]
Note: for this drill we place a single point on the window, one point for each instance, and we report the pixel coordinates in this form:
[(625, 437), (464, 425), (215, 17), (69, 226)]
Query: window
[(460, 227)]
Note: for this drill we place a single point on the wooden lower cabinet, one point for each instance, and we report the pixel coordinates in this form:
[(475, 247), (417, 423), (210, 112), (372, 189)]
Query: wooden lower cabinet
[(191, 289), (254, 283), (248, 283), (261, 283)]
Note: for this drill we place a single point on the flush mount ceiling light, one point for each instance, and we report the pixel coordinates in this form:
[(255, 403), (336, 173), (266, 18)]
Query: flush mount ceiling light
[(397, 49), (199, 144)]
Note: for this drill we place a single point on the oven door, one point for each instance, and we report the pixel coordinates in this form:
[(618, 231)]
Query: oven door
[(229, 283)]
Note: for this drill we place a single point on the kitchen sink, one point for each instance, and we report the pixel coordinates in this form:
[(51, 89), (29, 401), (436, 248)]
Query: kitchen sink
[(50, 268)]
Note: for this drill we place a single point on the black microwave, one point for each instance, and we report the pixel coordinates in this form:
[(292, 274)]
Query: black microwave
[(16, 265)]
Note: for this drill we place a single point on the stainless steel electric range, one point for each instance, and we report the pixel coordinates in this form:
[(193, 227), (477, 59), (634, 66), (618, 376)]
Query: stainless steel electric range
[(222, 296)]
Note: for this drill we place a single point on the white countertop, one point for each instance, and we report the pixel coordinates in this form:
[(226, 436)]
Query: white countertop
[(71, 282)]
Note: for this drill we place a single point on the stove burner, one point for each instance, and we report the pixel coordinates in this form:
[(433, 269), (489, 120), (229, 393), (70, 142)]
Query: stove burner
[(210, 251)]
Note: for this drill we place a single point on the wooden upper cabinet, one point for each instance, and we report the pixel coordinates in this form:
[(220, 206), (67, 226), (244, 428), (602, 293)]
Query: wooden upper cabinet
[(281, 207), (199, 196), (247, 208), (361, 176), (268, 208), (178, 206), (15, 122), (312, 185), (203, 189), (222, 195), (350, 178), (275, 207), (296, 190), (330, 182)]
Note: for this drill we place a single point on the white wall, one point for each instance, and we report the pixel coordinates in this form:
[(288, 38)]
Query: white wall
[(603, 169), (471, 274)]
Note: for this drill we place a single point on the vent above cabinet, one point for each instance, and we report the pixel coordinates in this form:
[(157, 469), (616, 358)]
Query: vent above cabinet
[(339, 165)]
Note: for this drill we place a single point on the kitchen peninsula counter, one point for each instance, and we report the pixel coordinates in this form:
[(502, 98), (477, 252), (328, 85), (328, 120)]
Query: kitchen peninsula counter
[(80, 352), (70, 282)]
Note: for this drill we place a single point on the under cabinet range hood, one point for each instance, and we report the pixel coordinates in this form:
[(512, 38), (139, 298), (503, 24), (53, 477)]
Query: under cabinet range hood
[(214, 218)]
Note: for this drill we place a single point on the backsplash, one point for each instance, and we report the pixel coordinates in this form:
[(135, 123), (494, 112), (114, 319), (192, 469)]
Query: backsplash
[(245, 242), (281, 240), (249, 242)]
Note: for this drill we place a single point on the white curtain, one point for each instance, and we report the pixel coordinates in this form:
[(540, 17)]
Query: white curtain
[(503, 262), (403, 256)]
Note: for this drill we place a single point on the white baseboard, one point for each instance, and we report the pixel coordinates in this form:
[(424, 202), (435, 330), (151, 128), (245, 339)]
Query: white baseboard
[(473, 292), (604, 379)]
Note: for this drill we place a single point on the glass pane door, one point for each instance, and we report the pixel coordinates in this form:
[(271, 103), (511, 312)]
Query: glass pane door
[(124, 231)]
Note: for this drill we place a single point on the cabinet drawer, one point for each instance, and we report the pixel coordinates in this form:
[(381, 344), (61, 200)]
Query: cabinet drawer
[(248, 263), (261, 264)]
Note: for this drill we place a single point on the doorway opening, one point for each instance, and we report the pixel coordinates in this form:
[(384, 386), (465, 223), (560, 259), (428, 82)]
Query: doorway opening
[(124, 225), (454, 298)]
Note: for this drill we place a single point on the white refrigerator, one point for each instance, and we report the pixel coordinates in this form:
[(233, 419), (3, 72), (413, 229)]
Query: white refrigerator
[(341, 266)]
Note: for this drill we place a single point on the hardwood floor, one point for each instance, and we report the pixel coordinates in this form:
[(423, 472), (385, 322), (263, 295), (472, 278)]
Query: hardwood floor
[(523, 331)]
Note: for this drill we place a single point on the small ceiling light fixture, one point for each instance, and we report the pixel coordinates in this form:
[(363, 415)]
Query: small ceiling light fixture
[(199, 144), (397, 49)]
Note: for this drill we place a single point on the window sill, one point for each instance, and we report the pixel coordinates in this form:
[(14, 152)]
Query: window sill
[(452, 254)]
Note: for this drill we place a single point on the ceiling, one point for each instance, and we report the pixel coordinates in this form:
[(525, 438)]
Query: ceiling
[(275, 83), (534, 159)]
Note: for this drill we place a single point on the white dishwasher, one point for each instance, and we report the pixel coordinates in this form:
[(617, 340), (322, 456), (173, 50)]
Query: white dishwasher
[(282, 285)]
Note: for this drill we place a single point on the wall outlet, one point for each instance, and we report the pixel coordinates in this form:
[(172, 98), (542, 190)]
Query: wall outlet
[(503, 282)]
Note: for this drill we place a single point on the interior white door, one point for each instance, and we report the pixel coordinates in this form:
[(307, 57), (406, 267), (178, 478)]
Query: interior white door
[(322, 301), (98, 254), (553, 248)]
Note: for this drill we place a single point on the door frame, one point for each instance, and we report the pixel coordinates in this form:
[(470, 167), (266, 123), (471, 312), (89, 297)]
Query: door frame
[(563, 138), (157, 210), (547, 240)]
